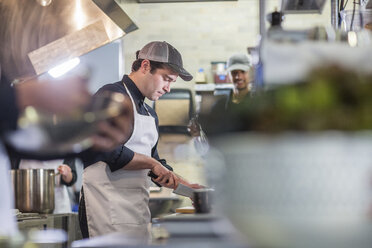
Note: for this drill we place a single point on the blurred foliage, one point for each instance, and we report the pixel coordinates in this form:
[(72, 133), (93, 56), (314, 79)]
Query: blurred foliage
[(329, 99)]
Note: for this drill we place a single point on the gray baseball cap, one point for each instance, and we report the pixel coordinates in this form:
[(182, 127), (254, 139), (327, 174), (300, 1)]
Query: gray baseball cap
[(161, 51), (238, 62)]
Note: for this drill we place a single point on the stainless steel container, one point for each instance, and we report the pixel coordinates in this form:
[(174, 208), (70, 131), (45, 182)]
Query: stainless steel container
[(34, 190)]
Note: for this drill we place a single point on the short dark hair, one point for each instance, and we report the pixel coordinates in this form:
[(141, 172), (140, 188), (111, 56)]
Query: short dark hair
[(154, 64)]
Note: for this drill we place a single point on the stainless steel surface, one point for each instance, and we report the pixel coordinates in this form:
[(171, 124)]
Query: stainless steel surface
[(302, 6), (184, 190), (68, 222), (34, 190), (163, 205), (334, 13), (262, 14), (202, 200), (35, 38), (117, 15)]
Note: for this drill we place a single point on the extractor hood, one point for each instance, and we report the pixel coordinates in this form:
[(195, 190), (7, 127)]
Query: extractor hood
[(35, 38)]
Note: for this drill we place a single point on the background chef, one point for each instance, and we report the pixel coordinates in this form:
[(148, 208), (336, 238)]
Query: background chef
[(239, 68)]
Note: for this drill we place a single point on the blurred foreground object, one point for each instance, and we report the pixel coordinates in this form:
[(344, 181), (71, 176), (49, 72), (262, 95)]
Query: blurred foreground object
[(291, 62), (297, 190), (50, 134), (331, 98), (297, 163)]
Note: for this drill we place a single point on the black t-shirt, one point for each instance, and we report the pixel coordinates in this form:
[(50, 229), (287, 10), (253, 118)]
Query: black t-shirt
[(8, 107)]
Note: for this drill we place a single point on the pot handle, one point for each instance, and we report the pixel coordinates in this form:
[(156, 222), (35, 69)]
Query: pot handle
[(58, 180)]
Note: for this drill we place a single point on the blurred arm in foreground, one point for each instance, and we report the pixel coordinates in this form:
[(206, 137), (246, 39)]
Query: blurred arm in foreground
[(64, 97)]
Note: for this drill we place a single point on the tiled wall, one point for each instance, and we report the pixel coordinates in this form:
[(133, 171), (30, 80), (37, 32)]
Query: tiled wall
[(206, 31)]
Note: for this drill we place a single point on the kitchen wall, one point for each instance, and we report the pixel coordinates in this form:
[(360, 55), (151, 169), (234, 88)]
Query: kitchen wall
[(206, 31)]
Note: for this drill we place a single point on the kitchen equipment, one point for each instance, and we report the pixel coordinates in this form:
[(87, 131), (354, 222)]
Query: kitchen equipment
[(34, 190), (296, 189), (35, 38), (302, 6), (184, 190), (202, 200), (163, 205), (49, 135), (357, 20), (175, 109)]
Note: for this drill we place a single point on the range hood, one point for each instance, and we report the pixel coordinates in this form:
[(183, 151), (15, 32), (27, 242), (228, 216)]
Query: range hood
[(35, 38)]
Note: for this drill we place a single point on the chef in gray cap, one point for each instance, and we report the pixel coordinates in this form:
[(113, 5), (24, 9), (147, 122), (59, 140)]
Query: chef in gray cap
[(115, 193), (239, 68)]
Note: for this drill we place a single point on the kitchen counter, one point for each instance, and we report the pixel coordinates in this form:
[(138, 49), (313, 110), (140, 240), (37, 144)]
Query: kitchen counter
[(68, 222), (177, 231), (199, 230)]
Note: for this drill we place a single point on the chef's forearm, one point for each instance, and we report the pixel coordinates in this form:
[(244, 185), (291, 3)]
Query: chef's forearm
[(140, 162)]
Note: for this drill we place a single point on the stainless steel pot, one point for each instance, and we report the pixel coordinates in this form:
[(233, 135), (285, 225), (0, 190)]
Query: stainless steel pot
[(34, 190)]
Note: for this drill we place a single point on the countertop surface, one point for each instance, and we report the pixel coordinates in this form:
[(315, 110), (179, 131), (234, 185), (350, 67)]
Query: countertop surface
[(182, 230)]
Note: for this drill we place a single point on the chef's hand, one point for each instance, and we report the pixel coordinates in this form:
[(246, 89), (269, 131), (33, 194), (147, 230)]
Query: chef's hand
[(65, 172), (196, 186), (191, 185), (166, 178)]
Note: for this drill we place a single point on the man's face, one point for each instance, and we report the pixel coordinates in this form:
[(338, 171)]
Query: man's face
[(159, 83), (240, 79)]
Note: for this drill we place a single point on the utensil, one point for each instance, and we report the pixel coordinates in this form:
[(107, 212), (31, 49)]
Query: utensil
[(34, 190), (57, 179), (202, 200), (184, 191)]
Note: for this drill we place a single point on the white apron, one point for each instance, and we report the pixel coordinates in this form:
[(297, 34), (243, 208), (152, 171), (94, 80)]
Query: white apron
[(7, 217), (62, 202), (118, 201)]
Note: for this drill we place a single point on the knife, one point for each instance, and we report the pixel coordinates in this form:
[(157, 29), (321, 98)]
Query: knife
[(184, 190)]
